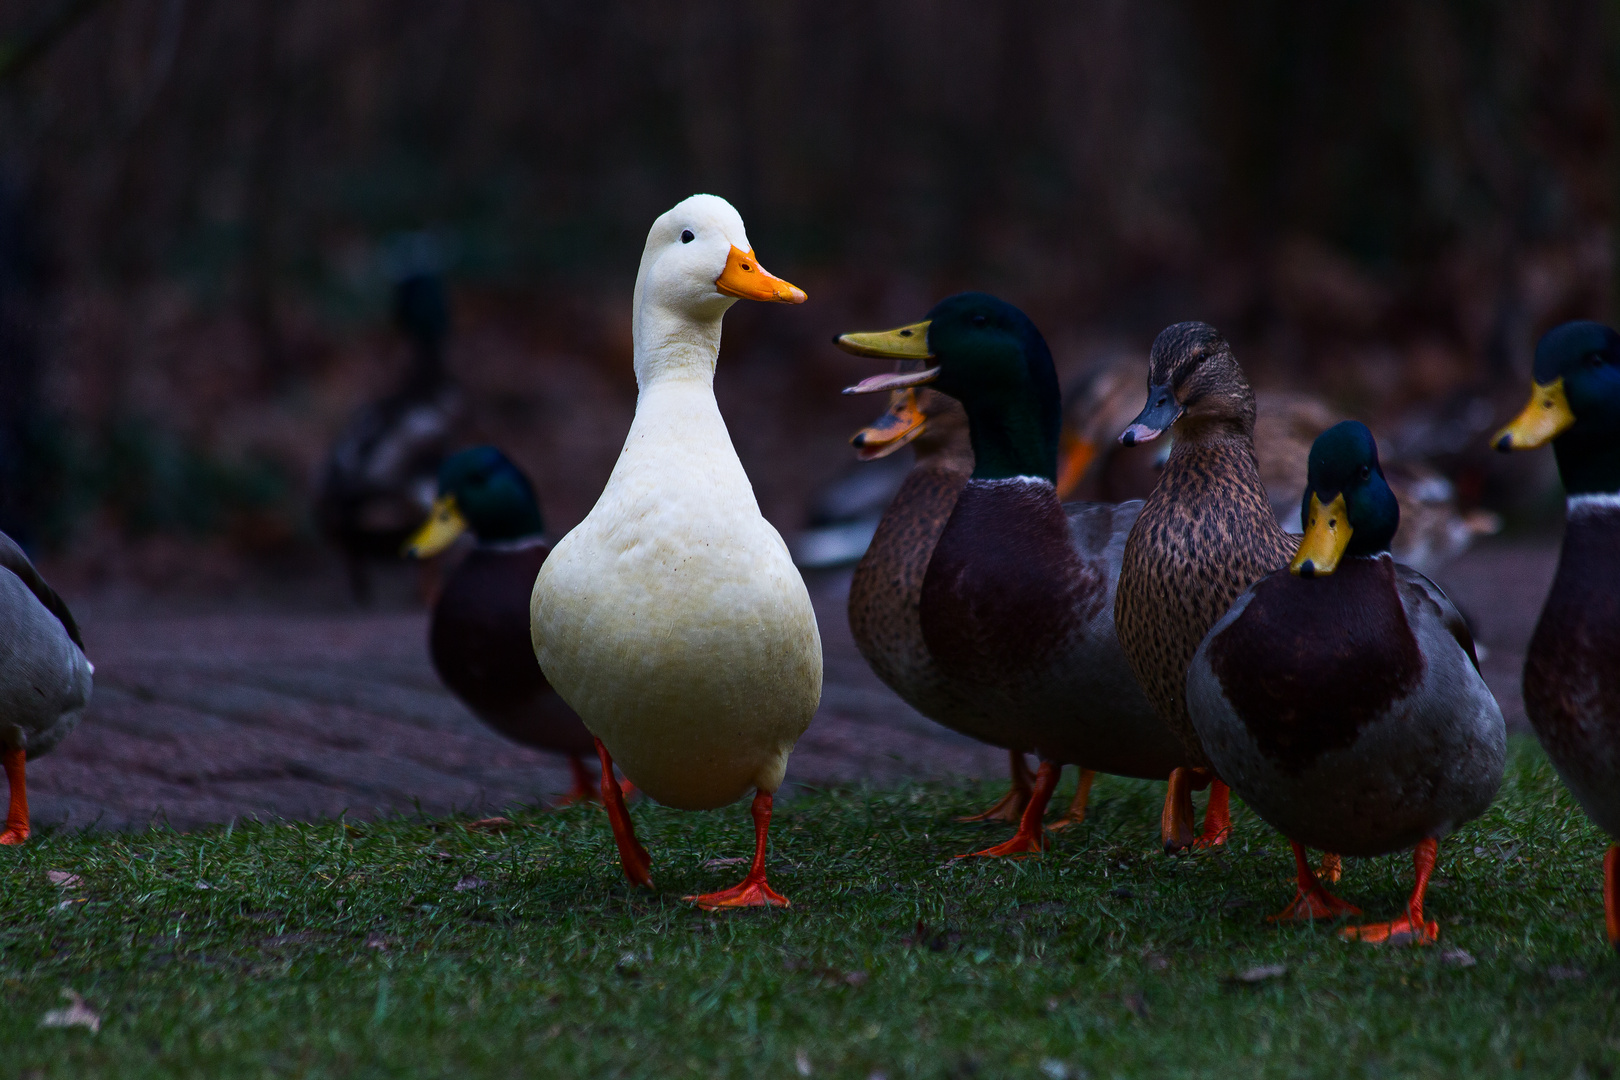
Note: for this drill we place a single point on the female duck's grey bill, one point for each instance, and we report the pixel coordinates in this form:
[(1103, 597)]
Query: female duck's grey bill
[(1161, 412)]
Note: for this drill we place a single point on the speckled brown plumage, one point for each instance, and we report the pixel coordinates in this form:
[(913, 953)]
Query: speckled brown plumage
[(1207, 531)]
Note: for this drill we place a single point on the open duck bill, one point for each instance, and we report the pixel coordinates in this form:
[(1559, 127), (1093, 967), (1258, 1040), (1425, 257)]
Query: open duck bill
[(902, 423), (443, 526), (1157, 417), (1327, 535), (1543, 419), (901, 343), (745, 279)]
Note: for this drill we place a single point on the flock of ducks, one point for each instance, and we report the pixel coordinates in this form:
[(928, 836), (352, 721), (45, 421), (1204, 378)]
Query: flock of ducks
[(1186, 637)]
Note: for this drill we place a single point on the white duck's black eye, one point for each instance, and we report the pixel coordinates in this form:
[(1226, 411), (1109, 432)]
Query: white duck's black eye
[(686, 236), (978, 320)]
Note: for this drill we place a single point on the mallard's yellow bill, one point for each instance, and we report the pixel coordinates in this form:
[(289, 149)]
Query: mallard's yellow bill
[(441, 530), (1327, 534), (1540, 422), (903, 422), (901, 343), (745, 279)]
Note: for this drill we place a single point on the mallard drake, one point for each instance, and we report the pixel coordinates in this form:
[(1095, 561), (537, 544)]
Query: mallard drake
[(378, 480), (478, 636), (886, 587), (672, 618), (1204, 535), (1016, 605), (1341, 697), (1571, 674), (45, 678)]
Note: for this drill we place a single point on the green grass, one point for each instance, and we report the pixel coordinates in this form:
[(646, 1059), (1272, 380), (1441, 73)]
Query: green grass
[(1101, 959)]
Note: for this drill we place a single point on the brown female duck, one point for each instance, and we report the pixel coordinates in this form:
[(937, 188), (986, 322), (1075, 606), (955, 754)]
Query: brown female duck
[(1016, 604), (1205, 534)]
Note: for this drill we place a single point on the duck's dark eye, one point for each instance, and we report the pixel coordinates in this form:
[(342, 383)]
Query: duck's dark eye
[(1365, 471), (978, 320), (686, 236), (1594, 360)]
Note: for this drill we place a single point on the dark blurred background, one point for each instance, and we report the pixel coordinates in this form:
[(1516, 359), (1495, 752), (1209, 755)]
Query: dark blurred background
[(205, 207)]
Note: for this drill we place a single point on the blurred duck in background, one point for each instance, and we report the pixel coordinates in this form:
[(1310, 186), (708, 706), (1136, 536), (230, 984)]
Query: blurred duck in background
[(886, 589), (1341, 697), (479, 633), (45, 678), (1572, 668), (379, 478)]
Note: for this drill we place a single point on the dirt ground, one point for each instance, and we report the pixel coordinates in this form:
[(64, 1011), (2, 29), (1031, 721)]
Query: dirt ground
[(204, 716)]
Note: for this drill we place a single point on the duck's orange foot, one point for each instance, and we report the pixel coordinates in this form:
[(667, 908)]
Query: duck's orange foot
[(14, 836), (1402, 931), (1217, 817), (1076, 813), (1010, 807), (1021, 846), (1317, 903), (748, 893)]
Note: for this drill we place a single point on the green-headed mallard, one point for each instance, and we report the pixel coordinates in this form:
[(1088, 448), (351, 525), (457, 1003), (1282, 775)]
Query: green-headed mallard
[(378, 479), (479, 633), (886, 588), (672, 618), (1016, 606), (1205, 534), (1572, 669), (1341, 697), (44, 677)]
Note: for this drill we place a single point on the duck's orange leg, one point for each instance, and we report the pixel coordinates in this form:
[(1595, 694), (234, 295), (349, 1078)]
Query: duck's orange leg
[(1611, 894), (1010, 807), (1176, 821), (1410, 930), (752, 891), (583, 788), (1217, 816), (632, 856), (17, 813), (1312, 901), (1076, 813), (1030, 839)]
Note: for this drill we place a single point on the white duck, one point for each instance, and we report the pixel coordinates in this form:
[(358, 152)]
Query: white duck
[(672, 618)]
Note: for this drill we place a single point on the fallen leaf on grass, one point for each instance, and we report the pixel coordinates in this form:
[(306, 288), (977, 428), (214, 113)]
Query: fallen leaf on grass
[(77, 1014), (713, 864), (471, 881), (1456, 958), (1137, 1004), (63, 878), (491, 825), (376, 941), (1560, 973), (1260, 974), (801, 1062)]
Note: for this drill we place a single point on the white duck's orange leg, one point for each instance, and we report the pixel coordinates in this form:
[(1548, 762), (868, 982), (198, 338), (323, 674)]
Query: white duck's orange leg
[(752, 891), (17, 813), (632, 856), (1010, 807), (1030, 839), (1411, 929)]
